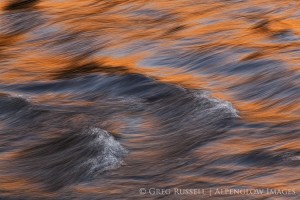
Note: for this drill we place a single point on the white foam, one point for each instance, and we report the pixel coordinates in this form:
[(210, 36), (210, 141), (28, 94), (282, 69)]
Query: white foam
[(112, 154), (218, 105)]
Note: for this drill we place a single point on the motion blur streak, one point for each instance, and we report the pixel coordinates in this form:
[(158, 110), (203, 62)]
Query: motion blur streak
[(99, 98)]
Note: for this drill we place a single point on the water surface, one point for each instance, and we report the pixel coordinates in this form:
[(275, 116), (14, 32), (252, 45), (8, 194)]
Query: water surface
[(101, 98)]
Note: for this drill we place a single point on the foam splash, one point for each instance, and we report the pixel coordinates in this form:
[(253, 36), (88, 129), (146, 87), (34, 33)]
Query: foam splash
[(112, 152), (212, 105)]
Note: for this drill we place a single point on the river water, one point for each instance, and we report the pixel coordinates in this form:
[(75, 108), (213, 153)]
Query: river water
[(136, 99)]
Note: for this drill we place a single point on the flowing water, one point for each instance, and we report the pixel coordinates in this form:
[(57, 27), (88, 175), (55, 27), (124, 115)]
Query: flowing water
[(133, 99)]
